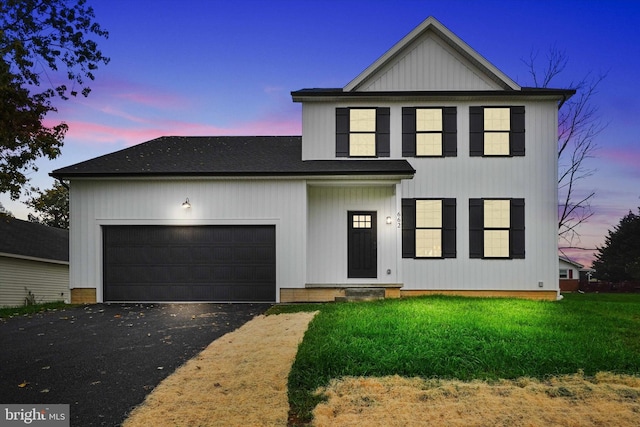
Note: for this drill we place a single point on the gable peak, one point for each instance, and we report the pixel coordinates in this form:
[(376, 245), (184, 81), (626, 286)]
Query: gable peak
[(432, 28)]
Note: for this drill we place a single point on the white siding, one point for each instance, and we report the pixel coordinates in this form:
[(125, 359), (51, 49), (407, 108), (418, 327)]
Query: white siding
[(532, 177), (47, 281), (568, 266), (135, 202), (428, 64), (327, 232)]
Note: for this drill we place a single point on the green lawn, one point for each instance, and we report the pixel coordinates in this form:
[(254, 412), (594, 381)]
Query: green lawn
[(465, 338)]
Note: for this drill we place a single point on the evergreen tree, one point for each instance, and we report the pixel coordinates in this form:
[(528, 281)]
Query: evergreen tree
[(619, 259)]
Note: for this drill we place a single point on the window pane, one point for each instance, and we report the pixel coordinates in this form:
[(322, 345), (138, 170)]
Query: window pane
[(362, 221), (564, 273), (497, 119), (429, 213), (362, 144), (496, 143), (496, 243), (362, 120), (428, 119), (428, 243), (497, 214), (429, 144)]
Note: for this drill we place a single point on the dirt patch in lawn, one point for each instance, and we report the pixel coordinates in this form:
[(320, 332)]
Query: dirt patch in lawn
[(604, 400), (239, 379)]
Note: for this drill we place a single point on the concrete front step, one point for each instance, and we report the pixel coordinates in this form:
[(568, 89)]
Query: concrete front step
[(362, 294)]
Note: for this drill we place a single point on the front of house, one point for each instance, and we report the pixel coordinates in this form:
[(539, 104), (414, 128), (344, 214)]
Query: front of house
[(430, 172)]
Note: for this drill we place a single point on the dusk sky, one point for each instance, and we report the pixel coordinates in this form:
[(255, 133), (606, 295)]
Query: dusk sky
[(197, 67)]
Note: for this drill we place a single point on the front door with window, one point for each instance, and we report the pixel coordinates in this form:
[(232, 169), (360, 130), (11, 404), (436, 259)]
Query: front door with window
[(362, 241)]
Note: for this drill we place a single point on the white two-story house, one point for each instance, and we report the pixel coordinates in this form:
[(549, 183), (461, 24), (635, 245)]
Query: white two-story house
[(430, 172)]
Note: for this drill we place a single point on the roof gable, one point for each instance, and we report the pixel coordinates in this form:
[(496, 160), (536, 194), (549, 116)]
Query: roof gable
[(431, 58)]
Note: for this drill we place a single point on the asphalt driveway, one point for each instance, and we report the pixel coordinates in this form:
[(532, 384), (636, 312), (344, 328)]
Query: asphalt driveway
[(104, 359)]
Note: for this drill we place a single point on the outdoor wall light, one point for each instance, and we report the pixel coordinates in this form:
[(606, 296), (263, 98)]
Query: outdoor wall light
[(388, 220), (186, 204)]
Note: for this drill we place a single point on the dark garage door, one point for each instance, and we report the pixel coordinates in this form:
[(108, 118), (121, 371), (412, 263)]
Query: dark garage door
[(189, 263)]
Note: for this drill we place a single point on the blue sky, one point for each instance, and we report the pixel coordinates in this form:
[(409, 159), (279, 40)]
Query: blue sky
[(219, 67)]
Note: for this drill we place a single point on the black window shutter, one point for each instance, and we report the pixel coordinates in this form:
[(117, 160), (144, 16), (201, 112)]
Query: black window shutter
[(516, 236), (408, 228), (408, 132), (476, 228), (476, 131), (449, 228), (383, 141), (449, 132), (342, 132), (516, 136)]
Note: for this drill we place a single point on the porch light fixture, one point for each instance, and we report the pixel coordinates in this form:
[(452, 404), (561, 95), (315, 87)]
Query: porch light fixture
[(186, 204), (388, 220)]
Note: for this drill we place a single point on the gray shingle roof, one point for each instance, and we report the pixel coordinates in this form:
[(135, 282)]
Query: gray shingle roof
[(33, 240), (224, 156)]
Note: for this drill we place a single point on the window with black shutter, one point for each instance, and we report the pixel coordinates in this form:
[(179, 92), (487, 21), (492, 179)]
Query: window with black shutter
[(428, 228), (363, 132), (496, 228), (429, 132), (496, 131)]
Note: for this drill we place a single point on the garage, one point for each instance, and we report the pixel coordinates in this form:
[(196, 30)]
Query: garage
[(155, 263)]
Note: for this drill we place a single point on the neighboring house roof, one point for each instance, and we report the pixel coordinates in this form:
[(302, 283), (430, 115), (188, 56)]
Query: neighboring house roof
[(573, 263), (225, 156), (24, 239)]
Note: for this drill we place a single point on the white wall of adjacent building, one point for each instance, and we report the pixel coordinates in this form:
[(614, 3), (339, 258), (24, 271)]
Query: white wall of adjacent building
[(47, 281)]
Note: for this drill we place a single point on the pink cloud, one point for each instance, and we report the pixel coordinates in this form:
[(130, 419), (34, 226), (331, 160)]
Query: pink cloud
[(628, 157), (153, 98), (88, 133), (122, 114)]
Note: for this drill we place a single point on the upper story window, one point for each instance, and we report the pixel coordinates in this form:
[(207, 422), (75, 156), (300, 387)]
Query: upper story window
[(496, 131), (429, 132), (428, 228), (496, 228), (362, 132)]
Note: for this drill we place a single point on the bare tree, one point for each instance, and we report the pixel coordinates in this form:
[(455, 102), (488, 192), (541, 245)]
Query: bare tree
[(578, 125)]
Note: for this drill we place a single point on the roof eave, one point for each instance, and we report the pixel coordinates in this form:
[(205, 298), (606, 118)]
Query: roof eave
[(322, 95), (402, 174)]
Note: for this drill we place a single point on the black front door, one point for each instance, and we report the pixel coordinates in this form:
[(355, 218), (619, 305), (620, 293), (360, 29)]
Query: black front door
[(363, 254)]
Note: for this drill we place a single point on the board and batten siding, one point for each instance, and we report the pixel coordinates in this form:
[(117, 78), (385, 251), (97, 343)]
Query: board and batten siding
[(47, 281), (532, 177), (428, 64), (327, 232), (95, 203)]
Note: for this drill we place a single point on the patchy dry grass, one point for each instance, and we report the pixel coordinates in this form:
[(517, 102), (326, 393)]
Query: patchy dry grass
[(465, 339), (603, 400), (239, 379)]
